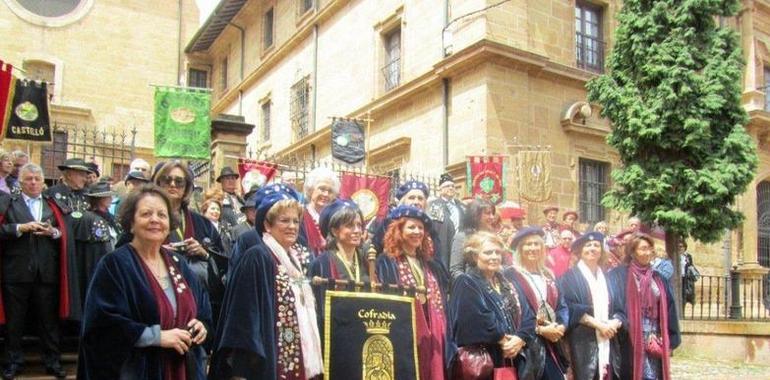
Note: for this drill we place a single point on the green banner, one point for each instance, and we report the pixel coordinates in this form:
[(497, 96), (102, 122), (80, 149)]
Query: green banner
[(182, 123)]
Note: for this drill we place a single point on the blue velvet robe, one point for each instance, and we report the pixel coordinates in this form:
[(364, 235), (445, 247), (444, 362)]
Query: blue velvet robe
[(475, 317), (584, 350), (616, 279), (245, 343), (119, 306)]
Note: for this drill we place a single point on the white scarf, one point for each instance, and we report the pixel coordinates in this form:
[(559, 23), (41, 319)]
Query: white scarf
[(306, 315), (601, 302)]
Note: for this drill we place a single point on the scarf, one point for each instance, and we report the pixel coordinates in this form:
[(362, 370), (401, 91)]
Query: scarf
[(186, 310), (636, 297), (304, 303), (601, 304), (315, 241)]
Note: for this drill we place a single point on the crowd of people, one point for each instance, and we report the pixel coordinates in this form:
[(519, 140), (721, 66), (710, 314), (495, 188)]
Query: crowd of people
[(169, 285)]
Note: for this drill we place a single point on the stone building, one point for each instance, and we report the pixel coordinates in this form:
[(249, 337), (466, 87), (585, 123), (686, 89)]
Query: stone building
[(101, 58), (443, 79)]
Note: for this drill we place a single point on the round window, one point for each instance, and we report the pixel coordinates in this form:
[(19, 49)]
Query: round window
[(47, 8), (50, 13)]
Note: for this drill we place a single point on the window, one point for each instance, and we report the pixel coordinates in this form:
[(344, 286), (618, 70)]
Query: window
[(766, 88), (593, 185), (305, 5), (223, 77), (197, 78), (267, 32), (43, 72), (50, 8), (53, 155), (589, 47), (392, 70), (119, 170), (298, 108), (266, 121)]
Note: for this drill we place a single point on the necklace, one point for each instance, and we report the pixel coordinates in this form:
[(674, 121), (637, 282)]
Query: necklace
[(350, 266)]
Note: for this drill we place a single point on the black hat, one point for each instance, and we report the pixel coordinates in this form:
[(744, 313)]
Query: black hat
[(578, 244), (446, 179), (74, 164), (227, 172), (93, 168), (524, 232), (100, 190), (251, 202), (137, 175)]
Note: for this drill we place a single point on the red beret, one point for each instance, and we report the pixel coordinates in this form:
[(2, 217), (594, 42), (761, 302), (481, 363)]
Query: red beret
[(550, 208), (512, 213), (570, 212)]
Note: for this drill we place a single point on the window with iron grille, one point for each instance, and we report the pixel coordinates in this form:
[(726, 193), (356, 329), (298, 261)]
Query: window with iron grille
[(763, 224), (589, 43), (42, 71), (767, 88), (298, 108), (223, 75), (392, 70), (266, 121), (304, 6), (267, 32), (197, 78), (53, 155), (593, 184)]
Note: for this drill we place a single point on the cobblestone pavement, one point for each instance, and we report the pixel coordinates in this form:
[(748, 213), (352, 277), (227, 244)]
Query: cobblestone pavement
[(686, 368)]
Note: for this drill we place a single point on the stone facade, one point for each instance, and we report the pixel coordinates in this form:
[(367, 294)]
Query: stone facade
[(104, 57), (475, 77)]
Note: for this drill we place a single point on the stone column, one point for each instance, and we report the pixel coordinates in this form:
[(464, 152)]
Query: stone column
[(229, 135)]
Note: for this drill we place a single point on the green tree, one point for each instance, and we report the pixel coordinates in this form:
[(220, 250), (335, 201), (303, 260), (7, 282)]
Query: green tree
[(672, 94)]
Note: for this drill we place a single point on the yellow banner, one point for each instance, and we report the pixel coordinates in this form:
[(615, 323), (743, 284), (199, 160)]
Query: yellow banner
[(535, 175)]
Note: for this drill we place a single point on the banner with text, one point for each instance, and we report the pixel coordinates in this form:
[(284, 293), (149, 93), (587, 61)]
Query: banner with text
[(255, 173), (182, 123), (485, 177), (370, 193), (29, 119), (369, 336)]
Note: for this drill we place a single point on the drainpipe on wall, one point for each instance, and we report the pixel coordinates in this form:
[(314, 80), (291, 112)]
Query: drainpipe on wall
[(179, 45), (315, 75), (243, 47), (445, 94)]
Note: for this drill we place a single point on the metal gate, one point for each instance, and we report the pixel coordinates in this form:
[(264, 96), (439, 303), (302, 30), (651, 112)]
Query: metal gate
[(763, 234), (111, 150)]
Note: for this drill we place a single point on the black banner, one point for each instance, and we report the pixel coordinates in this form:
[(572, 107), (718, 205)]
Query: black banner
[(369, 336), (29, 119), (348, 141)]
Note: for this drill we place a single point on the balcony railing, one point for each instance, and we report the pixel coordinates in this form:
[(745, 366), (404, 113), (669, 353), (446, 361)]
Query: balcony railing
[(730, 297), (589, 52), (392, 74)]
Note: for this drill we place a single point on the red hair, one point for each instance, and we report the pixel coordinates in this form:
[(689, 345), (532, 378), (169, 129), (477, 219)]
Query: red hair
[(394, 238)]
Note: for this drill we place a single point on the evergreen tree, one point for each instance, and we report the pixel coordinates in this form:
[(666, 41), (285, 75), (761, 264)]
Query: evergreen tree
[(673, 96)]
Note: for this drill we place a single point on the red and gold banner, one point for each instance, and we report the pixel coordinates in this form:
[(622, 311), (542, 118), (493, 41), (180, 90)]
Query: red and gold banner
[(485, 177), (255, 172), (7, 87), (370, 193)]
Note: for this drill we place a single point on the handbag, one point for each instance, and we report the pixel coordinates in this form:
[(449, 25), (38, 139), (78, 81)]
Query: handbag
[(473, 362), (505, 372), (654, 346)]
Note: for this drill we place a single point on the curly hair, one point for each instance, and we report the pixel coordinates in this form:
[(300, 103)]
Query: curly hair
[(214, 193), (394, 238), (475, 242), (129, 205), (208, 202)]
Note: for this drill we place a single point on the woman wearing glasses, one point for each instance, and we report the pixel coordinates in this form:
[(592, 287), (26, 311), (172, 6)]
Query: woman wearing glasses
[(269, 328), (195, 237)]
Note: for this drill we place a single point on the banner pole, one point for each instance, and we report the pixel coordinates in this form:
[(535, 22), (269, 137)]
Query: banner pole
[(367, 139), (370, 259)]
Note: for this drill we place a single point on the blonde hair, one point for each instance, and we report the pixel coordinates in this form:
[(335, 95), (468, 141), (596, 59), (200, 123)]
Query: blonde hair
[(540, 263), (476, 241), (280, 207)]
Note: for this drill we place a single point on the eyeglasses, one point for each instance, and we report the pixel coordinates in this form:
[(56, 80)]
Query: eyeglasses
[(172, 181)]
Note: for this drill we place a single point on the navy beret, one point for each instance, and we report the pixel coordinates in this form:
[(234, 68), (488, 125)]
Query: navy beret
[(578, 244), (404, 211), (330, 210), (266, 203), (526, 231), (412, 185), (273, 188)]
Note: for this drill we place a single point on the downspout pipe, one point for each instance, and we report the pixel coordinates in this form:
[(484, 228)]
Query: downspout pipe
[(445, 94), (243, 55), (315, 76), (179, 45)]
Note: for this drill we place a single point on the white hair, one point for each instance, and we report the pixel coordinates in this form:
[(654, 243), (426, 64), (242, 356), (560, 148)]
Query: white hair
[(31, 168), (318, 175), (135, 164)]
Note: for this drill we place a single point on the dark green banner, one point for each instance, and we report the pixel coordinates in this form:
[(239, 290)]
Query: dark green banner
[(369, 336), (182, 123)]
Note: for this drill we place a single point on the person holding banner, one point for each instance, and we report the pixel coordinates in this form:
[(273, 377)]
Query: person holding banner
[(593, 323), (269, 328), (409, 262), (537, 284), (321, 188), (486, 311), (343, 225)]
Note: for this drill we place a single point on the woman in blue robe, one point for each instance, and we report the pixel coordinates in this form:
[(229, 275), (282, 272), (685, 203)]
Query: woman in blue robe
[(269, 327), (146, 315), (486, 309), (545, 357), (593, 324), (645, 304)]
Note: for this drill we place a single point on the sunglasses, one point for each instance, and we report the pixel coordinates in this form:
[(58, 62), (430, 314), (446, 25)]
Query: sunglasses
[(172, 181)]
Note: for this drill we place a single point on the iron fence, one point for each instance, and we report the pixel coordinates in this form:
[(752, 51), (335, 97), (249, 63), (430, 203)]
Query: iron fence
[(730, 297)]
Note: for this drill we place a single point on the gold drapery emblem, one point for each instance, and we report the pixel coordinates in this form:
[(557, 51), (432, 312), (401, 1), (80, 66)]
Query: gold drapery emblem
[(377, 354), (535, 175)]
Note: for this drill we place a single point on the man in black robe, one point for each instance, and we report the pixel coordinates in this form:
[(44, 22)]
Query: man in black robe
[(69, 193), (232, 202)]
